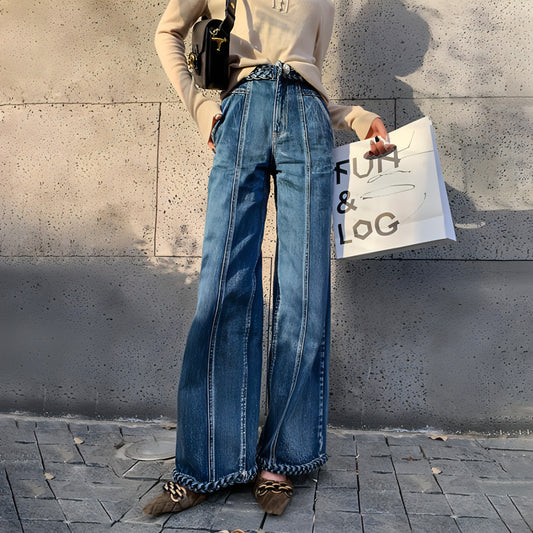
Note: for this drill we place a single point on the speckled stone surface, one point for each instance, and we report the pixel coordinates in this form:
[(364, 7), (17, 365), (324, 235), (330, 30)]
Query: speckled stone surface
[(429, 48), (96, 336), (485, 151), (437, 343), (78, 179), (103, 181), (87, 51)]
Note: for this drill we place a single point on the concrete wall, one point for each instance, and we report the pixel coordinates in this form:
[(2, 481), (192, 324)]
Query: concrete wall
[(102, 199)]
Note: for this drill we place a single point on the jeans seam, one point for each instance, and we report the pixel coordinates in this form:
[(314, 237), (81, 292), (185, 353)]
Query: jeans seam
[(244, 388), (305, 299), (221, 285)]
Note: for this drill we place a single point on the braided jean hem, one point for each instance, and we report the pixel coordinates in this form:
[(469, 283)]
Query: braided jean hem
[(206, 487), (292, 470)]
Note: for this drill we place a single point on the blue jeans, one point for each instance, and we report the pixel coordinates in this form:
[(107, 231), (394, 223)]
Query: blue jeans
[(278, 127)]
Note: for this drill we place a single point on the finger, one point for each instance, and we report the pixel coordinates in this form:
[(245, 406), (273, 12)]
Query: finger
[(380, 129), (378, 145)]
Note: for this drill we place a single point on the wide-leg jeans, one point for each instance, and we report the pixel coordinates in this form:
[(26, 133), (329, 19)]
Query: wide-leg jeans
[(276, 127)]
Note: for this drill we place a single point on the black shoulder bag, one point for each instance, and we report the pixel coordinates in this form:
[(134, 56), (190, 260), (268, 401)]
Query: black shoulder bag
[(209, 59)]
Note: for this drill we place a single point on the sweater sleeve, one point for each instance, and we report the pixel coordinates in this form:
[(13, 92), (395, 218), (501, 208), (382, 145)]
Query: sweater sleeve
[(176, 22), (351, 118)]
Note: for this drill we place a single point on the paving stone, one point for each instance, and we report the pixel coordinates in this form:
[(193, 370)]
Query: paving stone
[(200, 516), (91, 437), (34, 509), (431, 504), (409, 453), (22, 451), (481, 525), (381, 501), (385, 523), (69, 490), (24, 435), (341, 444), (121, 490), (337, 522), (524, 504), (340, 462), (519, 465), (118, 528), (418, 483), (26, 426), (84, 511), (38, 526), (378, 481), (8, 426), (373, 445), (471, 505), (373, 449), (336, 499), (171, 529), (60, 453), (136, 516), (8, 511), (510, 487), (403, 466), (405, 440), (434, 524), (54, 436), (116, 510), (4, 485), (106, 456), (374, 464), (487, 469), (148, 470), (31, 488), (339, 479), (509, 514), (10, 526), (25, 469), (507, 443), (238, 516), (81, 473), (440, 450), (51, 424), (451, 467), (465, 484), (374, 438)]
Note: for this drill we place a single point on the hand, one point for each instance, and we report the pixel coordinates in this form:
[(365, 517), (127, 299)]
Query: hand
[(380, 148), (210, 143)]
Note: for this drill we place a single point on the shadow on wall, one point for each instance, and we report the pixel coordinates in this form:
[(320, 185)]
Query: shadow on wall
[(438, 343), (94, 336), (378, 42), (445, 344)]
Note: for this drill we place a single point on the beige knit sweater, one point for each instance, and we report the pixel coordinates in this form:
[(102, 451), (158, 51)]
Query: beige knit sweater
[(296, 32)]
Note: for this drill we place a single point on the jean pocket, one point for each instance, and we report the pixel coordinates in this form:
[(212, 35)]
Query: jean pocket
[(215, 129)]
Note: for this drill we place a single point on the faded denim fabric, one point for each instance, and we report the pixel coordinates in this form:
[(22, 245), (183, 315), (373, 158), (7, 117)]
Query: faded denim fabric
[(277, 126)]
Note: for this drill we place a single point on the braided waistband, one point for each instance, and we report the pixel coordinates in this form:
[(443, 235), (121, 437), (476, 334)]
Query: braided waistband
[(272, 72)]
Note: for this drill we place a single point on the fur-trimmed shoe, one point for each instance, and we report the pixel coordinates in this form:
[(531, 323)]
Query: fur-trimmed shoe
[(273, 496), (173, 499)]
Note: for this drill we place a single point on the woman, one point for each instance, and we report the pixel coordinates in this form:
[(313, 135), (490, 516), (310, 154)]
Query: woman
[(273, 121)]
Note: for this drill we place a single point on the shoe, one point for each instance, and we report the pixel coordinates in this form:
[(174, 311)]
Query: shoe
[(272, 496), (173, 499)]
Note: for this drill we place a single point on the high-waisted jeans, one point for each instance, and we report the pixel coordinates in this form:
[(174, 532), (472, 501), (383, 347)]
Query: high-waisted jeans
[(279, 127)]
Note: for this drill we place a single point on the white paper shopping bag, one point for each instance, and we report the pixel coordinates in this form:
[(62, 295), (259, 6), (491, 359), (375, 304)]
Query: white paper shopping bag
[(394, 203)]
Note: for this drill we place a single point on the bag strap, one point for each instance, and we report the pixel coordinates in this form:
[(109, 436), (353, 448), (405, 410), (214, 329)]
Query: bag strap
[(229, 20)]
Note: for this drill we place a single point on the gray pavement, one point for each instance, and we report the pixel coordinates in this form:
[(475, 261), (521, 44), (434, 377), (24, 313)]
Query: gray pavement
[(71, 475)]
